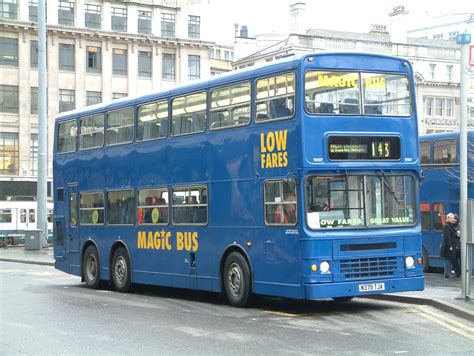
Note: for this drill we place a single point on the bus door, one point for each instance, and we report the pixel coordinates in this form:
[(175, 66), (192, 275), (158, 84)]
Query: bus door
[(72, 219)]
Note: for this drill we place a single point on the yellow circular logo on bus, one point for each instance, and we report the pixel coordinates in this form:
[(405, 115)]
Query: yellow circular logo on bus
[(155, 215), (95, 217)]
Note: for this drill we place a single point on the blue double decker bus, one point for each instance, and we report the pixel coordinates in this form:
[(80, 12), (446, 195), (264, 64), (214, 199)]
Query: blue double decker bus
[(440, 188), (296, 179)]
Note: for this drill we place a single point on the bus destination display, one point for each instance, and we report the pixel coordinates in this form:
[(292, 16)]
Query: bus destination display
[(364, 148)]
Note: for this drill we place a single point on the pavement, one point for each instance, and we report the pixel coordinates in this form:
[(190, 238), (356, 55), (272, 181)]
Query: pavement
[(440, 292)]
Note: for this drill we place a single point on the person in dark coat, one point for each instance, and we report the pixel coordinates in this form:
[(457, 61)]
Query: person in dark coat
[(450, 248)]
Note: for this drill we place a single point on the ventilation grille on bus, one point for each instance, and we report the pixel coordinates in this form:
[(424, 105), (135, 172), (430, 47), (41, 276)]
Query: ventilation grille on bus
[(362, 268)]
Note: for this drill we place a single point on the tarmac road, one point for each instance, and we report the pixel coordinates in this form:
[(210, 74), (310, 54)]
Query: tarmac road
[(45, 311)]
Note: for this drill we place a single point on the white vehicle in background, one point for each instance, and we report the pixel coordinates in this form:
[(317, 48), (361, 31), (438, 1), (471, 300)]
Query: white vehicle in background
[(17, 218)]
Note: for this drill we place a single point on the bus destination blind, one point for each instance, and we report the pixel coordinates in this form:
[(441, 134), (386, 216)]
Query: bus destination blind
[(364, 148)]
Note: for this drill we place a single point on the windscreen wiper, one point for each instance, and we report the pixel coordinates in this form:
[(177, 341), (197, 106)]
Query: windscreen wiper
[(387, 184)]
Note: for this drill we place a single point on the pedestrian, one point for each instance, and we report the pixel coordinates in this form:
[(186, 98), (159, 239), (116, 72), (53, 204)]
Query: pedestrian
[(451, 247)]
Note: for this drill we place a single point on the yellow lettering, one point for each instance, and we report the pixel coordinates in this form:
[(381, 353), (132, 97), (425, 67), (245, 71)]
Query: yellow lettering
[(274, 160), (268, 161), (187, 241), (156, 240), (262, 143), (141, 239), (179, 241), (195, 241), (167, 241), (285, 159), (323, 81), (262, 159), (150, 240), (281, 140), (270, 142)]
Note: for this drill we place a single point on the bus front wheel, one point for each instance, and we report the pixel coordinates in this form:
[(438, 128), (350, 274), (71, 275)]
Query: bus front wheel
[(121, 270), (91, 267), (426, 260), (237, 280)]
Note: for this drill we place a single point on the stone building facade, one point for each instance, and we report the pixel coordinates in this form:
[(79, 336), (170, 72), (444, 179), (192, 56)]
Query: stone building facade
[(97, 51)]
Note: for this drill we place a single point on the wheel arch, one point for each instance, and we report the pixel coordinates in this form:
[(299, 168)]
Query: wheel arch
[(234, 248)]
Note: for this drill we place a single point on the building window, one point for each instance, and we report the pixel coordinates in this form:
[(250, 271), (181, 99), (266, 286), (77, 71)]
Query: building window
[(66, 57), (92, 16), (9, 99), (9, 9), (34, 154), (34, 54), (432, 71), (119, 61), (66, 13), (144, 64), (168, 25), (9, 52), (93, 97), (194, 26), (438, 36), (449, 107), (449, 72), (119, 19), (94, 59), (34, 100), (439, 107), (144, 21), (453, 35), (66, 100), (33, 10), (168, 69), (118, 95), (9, 153), (194, 67), (429, 106)]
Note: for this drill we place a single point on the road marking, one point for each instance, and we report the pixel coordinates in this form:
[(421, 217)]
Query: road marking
[(453, 325), (282, 313)]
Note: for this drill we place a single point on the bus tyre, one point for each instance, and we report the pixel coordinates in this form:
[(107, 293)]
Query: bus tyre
[(237, 280), (426, 260), (91, 267), (121, 270)]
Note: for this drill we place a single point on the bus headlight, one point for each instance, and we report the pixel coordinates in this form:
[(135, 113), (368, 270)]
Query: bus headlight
[(324, 267), (409, 262)]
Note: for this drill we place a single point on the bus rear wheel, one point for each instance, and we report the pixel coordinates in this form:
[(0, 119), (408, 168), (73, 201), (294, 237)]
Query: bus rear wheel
[(237, 280), (121, 270), (91, 267)]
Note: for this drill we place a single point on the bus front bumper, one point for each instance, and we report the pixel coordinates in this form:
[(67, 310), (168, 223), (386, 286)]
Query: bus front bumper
[(362, 288)]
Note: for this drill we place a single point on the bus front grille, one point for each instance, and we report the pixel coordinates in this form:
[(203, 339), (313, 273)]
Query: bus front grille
[(365, 268)]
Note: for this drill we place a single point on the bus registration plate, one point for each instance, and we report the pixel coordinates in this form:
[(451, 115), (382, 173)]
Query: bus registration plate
[(371, 287)]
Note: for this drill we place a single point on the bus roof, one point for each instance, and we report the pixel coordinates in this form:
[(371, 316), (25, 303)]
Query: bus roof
[(445, 135), (287, 62)]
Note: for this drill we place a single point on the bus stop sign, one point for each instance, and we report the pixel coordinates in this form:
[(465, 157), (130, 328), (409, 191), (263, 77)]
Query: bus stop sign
[(463, 38)]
